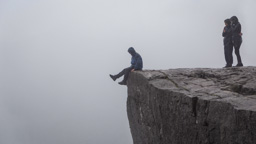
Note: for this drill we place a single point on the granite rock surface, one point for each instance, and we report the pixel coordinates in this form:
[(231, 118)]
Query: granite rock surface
[(193, 106)]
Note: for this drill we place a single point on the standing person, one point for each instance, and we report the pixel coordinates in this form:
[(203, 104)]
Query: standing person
[(228, 45), (236, 38), (136, 64)]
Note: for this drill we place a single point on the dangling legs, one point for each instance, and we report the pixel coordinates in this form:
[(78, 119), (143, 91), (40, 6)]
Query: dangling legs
[(126, 75), (114, 77), (124, 72)]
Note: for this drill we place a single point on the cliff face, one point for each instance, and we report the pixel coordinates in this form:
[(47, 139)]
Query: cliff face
[(193, 106)]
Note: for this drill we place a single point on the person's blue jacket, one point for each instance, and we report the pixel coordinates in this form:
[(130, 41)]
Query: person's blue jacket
[(227, 33), (236, 30), (136, 61)]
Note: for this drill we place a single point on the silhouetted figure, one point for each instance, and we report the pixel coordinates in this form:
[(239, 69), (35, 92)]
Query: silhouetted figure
[(136, 64), (228, 45), (236, 38)]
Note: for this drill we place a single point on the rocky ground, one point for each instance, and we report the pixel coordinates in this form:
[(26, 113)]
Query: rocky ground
[(193, 106)]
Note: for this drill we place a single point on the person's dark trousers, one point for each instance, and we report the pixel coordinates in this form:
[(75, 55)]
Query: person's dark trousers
[(228, 50), (124, 72), (237, 43)]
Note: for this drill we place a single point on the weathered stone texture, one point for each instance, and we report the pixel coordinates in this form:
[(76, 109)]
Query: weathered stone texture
[(193, 106)]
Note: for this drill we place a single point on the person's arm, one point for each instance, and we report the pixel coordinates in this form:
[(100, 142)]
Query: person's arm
[(132, 62), (237, 28), (138, 62), (224, 33)]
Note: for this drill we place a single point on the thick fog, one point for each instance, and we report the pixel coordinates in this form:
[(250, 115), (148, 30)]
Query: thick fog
[(55, 58)]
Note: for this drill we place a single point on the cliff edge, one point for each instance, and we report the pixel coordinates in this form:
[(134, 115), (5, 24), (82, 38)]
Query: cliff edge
[(193, 106)]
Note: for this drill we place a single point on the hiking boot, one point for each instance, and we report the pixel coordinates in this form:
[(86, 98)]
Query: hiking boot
[(227, 66), (239, 65), (122, 83), (113, 77)]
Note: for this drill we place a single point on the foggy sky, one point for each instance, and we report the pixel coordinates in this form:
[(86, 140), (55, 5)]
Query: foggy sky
[(55, 58)]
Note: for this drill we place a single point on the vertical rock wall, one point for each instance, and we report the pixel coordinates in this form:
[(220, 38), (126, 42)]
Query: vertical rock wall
[(193, 106)]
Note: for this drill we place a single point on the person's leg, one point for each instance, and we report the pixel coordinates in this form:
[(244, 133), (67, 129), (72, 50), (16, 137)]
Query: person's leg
[(126, 75), (230, 56), (228, 49), (237, 52), (114, 77), (226, 55)]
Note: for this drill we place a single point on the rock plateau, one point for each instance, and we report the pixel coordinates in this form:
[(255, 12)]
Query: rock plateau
[(193, 106)]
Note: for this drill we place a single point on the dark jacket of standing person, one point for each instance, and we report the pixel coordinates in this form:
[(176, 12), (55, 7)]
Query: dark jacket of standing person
[(228, 45), (236, 38), (227, 33), (236, 30), (136, 60)]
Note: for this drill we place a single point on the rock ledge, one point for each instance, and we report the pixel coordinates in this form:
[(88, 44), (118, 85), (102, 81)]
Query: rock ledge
[(193, 106)]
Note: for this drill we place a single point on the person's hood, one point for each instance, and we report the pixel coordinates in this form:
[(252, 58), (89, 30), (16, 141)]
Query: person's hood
[(228, 22), (234, 19), (132, 51)]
